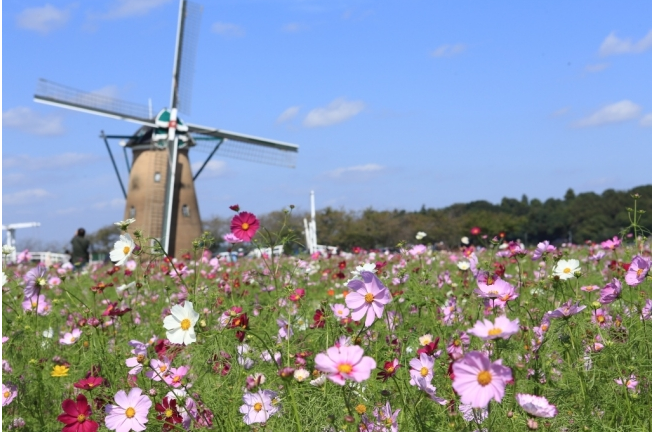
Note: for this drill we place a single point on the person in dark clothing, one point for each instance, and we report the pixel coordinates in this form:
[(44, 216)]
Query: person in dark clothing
[(80, 255)]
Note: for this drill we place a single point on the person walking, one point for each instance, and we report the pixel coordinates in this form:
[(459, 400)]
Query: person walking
[(80, 255)]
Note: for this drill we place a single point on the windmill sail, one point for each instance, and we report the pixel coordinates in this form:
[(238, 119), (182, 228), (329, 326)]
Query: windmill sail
[(190, 15)]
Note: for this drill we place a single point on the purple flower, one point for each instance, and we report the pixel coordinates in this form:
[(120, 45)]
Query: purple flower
[(566, 310), (542, 249), (35, 280), (259, 406), (638, 270), (536, 405), (130, 411), (646, 310), (368, 298), (386, 419), (610, 292), (231, 238)]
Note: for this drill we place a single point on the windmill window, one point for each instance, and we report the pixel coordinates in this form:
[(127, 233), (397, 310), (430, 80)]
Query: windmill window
[(185, 211), (132, 212), (157, 176)]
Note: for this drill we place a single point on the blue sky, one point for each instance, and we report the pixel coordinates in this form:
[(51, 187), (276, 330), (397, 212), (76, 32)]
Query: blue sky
[(393, 104)]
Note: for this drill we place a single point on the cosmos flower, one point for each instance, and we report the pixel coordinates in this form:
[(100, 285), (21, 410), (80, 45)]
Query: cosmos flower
[(502, 328), (40, 304), (493, 287), (160, 369), (244, 226), (9, 392), (542, 249), (389, 370), (340, 311), (536, 405), (130, 411), (611, 244), (610, 292), (477, 380), (180, 324), (76, 416), (175, 375), (89, 383), (71, 337), (565, 269), (420, 235), (35, 279), (421, 367), (638, 270), (566, 310), (124, 224), (259, 406), (367, 298), (345, 363), (168, 413), (122, 249), (631, 383), (231, 238)]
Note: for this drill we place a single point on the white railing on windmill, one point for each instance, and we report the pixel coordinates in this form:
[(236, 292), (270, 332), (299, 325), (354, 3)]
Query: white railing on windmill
[(167, 132), (11, 236)]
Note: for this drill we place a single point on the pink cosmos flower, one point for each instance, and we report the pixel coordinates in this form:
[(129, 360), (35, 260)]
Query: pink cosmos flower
[(638, 270), (284, 329), (502, 328), (631, 383), (646, 310), (602, 318), (244, 226), (477, 380), (130, 411), (367, 298), (493, 288), (589, 288), (611, 244), (536, 405), (9, 392), (340, 311), (457, 345), (542, 249), (259, 406), (421, 368), (71, 337), (159, 370), (175, 375), (35, 279), (39, 303), (140, 354), (231, 238), (610, 292), (566, 310), (345, 363)]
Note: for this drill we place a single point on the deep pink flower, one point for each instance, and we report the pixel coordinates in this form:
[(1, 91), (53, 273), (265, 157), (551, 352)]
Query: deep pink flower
[(502, 328), (130, 411), (76, 415), (610, 292), (477, 380), (345, 363), (89, 383), (367, 298), (611, 244), (638, 270), (244, 226), (536, 405)]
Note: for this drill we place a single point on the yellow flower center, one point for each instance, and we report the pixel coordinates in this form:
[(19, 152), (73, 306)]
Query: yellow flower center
[(424, 372), (90, 385), (169, 412), (345, 368), (495, 331), (361, 409), (125, 250), (34, 304), (7, 394), (484, 378), (130, 412), (81, 418), (639, 272), (73, 339), (456, 343), (490, 281), (369, 297), (258, 406), (163, 368), (185, 324), (339, 311), (600, 318), (40, 281), (388, 421), (544, 327), (390, 369), (176, 379), (567, 270), (245, 226), (140, 358)]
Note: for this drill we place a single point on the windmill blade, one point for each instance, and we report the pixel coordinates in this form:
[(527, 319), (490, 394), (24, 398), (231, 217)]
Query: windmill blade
[(190, 15), (246, 151), (238, 137), (59, 95)]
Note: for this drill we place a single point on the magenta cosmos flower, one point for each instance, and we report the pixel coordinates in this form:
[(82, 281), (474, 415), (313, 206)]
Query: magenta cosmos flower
[(536, 405), (566, 310), (76, 416), (244, 226), (610, 292), (258, 407), (368, 298), (130, 411), (638, 270), (477, 380), (502, 328), (345, 363)]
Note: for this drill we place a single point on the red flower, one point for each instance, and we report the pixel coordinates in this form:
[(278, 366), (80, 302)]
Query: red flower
[(89, 383), (76, 414), (342, 265), (168, 413), (475, 230), (389, 369), (110, 308), (241, 321), (235, 208), (429, 348), (318, 319), (244, 226), (297, 294)]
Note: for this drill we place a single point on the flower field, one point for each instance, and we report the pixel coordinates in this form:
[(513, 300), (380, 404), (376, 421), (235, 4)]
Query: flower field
[(492, 335)]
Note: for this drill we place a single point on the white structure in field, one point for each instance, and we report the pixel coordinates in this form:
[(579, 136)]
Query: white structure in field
[(11, 235), (310, 230)]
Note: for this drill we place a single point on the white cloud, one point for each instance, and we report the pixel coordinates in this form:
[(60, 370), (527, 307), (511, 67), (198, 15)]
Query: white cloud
[(228, 29), (29, 121), (645, 121), (447, 50), (617, 112), (53, 162), (337, 111), (354, 170), (43, 19), (24, 197), (132, 8), (596, 67), (117, 203), (288, 114), (560, 112), (614, 45), (293, 27), (213, 169)]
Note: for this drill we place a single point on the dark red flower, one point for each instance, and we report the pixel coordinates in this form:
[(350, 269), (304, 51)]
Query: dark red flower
[(389, 369), (499, 269), (235, 208), (99, 288), (241, 322), (342, 265), (318, 319), (429, 349), (89, 383), (168, 413), (76, 414)]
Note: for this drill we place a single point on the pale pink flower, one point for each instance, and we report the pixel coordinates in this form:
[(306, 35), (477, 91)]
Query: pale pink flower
[(421, 367), (130, 411), (258, 407), (70, 337), (345, 363), (536, 405), (175, 375), (631, 382), (231, 238), (610, 292), (159, 370), (611, 244), (502, 328), (493, 288), (340, 311), (42, 306), (477, 380), (9, 392), (368, 297), (638, 270)]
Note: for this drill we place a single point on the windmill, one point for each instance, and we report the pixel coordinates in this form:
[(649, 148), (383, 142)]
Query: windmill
[(161, 190)]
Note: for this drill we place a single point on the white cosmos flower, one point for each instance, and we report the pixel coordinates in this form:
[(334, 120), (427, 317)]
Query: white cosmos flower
[(464, 240), (180, 324), (3, 279), (565, 269), (121, 288), (122, 249), (420, 235), (301, 375), (463, 265), (124, 224), (8, 250)]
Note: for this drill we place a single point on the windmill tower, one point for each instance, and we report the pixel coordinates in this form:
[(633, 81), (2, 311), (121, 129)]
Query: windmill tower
[(161, 188)]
